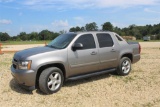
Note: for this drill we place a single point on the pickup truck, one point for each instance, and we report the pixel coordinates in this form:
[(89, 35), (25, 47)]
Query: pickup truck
[(73, 56)]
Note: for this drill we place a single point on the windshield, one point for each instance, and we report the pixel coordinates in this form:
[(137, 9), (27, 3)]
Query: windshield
[(62, 41)]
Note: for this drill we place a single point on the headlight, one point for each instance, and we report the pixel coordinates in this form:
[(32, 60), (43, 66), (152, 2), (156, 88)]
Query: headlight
[(24, 65)]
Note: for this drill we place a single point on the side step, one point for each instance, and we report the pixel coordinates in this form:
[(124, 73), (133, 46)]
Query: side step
[(91, 74)]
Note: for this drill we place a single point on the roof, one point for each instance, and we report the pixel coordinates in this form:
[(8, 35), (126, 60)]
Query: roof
[(90, 32)]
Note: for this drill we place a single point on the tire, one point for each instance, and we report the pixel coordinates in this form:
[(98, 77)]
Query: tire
[(51, 80), (124, 67)]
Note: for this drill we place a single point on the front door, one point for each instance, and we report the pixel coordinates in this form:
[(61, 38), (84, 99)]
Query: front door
[(84, 60)]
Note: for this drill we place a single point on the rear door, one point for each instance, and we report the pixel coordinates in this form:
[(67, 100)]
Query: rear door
[(108, 53), (86, 59)]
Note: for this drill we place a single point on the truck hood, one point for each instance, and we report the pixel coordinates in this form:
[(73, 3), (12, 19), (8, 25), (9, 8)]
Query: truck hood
[(32, 51)]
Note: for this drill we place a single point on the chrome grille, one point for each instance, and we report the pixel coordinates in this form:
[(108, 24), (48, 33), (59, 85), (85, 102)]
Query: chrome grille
[(15, 60), (14, 63), (14, 66)]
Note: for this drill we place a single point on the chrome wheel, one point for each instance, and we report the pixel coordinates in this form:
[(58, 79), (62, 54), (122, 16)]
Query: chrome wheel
[(54, 81), (126, 66)]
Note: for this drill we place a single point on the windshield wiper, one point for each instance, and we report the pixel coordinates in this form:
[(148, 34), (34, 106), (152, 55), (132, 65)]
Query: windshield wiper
[(54, 47), (51, 46)]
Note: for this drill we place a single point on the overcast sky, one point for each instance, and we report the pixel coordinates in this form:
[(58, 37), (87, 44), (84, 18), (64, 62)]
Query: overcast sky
[(35, 15)]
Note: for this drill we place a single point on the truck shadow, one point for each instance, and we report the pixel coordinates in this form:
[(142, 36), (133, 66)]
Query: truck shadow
[(72, 83), (17, 88)]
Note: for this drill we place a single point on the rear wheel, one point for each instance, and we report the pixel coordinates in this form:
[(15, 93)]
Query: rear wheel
[(124, 67), (51, 80)]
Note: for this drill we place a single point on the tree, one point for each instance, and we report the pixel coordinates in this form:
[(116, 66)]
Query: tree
[(91, 26), (117, 30), (72, 29), (144, 31), (107, 26), (4, 36), (33, 36), (75, 29), (78, 29), (1, 36), (45, 35), (83, 28), (62, 32), (132, 26), (125, 32), (13, 38), (132, 30), (158, 36), (23, 36), (54, 35)]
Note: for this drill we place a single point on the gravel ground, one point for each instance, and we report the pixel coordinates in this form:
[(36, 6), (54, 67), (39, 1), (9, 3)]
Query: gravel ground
[(18, 47), (141, 88)]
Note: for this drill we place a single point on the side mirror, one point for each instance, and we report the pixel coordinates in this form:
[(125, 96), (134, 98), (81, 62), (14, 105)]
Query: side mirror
[(77, 46)]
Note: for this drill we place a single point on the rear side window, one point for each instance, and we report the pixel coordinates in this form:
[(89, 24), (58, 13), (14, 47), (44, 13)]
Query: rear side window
[(104, 40), (87, 40), (119, 39)]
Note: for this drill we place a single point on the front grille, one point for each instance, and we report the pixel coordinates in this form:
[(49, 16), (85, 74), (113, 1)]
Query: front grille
[(15, 60), (14, 66)]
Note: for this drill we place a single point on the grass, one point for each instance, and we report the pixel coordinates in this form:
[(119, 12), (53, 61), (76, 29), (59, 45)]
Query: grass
[(47, 41), (23, 42), (139, 89), (151, 104), (148, 105), (128, 79), (145, 41)]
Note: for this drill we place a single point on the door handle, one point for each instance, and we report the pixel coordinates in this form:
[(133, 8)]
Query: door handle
[(113, 50), (93, 53)]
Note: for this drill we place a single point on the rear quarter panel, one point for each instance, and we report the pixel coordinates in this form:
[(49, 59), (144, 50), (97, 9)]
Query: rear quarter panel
[(130, 49)]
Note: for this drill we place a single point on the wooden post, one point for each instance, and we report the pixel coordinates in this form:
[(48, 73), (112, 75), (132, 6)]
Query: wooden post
[(0, 49)]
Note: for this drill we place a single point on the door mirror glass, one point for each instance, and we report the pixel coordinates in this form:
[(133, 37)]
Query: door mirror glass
[(77, 46)]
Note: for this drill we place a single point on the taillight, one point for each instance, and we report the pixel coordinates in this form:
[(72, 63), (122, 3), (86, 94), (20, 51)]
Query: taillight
[(139, 48)]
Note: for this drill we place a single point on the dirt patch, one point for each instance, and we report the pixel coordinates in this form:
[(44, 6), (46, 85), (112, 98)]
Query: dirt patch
[(139, 89)]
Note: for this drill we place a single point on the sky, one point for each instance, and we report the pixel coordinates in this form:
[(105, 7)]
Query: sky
[(36, 15)]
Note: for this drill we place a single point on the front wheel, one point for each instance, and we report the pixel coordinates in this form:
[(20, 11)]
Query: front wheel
[(124, 67), (51, 80)]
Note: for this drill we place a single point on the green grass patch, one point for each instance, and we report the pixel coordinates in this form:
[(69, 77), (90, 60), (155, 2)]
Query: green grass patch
[(128, 79), (148, 105), (145, 41), (24, 42), (47, 41)]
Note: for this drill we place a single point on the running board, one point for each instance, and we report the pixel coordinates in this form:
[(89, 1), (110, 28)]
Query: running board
[(91, 74)]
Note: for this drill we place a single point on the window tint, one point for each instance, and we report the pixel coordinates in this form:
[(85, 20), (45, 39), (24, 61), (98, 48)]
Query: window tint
[(87, 40), (104, 40), (62, 41), (119, 39)]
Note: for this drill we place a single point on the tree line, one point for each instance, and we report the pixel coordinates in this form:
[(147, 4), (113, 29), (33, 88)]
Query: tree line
[(23, 36), (137, 31)]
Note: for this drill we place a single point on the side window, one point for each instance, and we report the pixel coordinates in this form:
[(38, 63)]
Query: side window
[(119, 39), (87, 40), (104, 40)]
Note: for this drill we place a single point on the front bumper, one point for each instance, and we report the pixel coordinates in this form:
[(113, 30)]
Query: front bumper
[(25, 78)]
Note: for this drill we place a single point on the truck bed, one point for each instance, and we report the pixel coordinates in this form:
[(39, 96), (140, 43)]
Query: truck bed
[(132, 42)]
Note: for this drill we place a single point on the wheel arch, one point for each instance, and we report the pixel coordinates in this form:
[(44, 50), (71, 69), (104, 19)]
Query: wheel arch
[(128, 55), (43, 67)]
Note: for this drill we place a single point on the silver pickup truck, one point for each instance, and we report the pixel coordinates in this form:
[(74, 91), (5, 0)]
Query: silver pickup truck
[(73, 56)]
